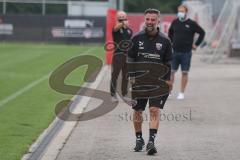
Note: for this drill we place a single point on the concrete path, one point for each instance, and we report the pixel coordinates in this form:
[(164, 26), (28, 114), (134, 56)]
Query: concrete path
[(206, 125)]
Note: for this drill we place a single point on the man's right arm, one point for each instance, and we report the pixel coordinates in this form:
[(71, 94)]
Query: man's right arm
[(117, 26), (131, 58)]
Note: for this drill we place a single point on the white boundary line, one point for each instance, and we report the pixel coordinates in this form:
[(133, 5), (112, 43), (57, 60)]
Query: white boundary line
[(31, 85), (60, 138), (23, 90)]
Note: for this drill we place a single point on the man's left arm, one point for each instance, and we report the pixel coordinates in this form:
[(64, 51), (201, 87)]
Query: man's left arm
[(167, 62), (201, 32)]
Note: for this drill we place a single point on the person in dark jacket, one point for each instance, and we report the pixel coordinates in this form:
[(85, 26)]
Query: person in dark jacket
[(121, 33), (150, 47), (181, 33)]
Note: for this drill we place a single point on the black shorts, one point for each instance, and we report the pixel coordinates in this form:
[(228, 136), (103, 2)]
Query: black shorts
[(153, 102)]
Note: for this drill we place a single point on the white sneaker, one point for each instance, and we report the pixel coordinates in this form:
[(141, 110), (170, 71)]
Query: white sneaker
[(170, 96), (180, 96), (114, 99), (126, 99)]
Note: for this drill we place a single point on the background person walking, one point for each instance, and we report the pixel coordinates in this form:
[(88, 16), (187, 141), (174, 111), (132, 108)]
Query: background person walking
[(181, 33)]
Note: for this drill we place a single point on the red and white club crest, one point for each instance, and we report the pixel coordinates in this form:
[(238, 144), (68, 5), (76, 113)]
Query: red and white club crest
[(159, 46)]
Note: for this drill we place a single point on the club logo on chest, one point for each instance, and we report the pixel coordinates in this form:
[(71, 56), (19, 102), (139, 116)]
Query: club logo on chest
[(159, 46)]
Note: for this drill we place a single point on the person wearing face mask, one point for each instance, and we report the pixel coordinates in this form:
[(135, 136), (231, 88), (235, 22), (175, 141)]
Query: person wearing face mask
[(181, 32), (149, 46), (121, 33)]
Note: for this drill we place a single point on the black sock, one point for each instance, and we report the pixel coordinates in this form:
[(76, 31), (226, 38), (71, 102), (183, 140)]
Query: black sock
[(139, 135), (152, 134)]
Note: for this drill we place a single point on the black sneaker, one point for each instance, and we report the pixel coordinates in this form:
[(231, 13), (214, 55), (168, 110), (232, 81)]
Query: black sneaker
[(139, 145), (151, 149)]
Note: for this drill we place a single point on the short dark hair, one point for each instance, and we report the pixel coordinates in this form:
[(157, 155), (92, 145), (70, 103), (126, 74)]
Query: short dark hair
[(152, 10)]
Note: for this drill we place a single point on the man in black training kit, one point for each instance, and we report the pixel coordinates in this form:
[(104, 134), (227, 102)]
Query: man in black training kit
[(181, 33), (150, 46), (121, 32)]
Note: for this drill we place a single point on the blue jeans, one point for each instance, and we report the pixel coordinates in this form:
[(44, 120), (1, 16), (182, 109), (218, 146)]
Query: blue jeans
[(183, 59)]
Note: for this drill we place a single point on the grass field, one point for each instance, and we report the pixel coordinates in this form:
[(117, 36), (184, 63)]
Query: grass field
[(26, 100)]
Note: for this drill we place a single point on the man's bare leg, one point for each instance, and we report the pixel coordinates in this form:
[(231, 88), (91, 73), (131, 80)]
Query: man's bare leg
[(153, 128), (172, 78), (137, 122), (154, 121), (184, 81)]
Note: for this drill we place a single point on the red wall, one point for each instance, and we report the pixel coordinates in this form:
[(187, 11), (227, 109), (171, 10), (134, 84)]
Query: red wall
[(136, 22)]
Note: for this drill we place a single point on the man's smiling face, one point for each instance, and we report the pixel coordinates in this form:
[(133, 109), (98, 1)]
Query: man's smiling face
[(151, 21)]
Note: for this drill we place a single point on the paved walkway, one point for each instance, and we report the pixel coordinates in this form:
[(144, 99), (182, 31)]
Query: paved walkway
[(206, 125)]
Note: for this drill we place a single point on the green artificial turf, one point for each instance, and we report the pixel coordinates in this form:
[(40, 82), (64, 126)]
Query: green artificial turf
[(27, 100)]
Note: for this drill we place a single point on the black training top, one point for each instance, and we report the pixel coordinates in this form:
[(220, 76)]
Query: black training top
[(182, 35), (155, 49), (121, 35)]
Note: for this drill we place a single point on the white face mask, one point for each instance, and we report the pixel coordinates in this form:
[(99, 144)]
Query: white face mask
[(181, 16)]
